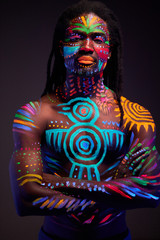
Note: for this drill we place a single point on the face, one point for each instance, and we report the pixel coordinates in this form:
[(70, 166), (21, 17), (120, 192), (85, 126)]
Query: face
[(86, 45)]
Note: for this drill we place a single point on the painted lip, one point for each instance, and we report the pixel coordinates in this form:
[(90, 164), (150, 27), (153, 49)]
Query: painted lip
[(85, 60)]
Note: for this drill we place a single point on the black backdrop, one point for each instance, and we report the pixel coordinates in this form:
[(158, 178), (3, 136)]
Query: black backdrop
[(25, 42)]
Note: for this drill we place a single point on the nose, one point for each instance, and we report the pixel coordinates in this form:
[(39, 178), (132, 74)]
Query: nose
[(87, 46)]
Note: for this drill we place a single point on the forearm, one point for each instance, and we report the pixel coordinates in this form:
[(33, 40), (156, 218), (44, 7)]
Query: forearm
[(33, 198), (125, 193), (39, 200)]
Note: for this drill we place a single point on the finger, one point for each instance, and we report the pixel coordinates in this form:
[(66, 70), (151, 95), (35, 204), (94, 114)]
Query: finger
[(73, 205), (139, 167), (135, 149), (140, 152), (134, 154), (80, 204), (69, 204), (86, 204), (141, 157)]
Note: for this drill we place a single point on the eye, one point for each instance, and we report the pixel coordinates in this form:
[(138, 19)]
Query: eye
[(98, 40), (75, 39)]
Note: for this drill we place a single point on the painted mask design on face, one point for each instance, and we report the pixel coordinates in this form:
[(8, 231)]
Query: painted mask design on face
[(86, 45)]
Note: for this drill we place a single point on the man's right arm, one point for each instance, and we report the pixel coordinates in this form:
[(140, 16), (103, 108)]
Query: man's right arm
[(26, 168)]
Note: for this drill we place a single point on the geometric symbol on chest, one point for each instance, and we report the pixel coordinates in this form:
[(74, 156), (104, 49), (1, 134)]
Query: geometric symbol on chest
[(80, 110), (84, 144), (85, 147)]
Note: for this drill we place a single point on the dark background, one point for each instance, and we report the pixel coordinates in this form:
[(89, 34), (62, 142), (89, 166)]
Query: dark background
[(26, 35)]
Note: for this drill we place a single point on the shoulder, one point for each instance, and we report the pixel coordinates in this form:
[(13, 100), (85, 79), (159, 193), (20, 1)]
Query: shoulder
[(28, 110), (27, 117), (33, 109), (136, 116), (32, 116)]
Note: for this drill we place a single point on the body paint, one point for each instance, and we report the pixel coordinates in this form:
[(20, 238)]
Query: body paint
[(84, 143), (136, 115), (24, 119)]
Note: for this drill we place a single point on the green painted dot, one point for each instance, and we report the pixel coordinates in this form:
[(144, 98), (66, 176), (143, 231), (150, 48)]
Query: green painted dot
[(19, 170)]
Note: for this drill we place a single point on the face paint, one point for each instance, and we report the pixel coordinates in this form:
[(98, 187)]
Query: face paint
[(87, 33), (70, 51)]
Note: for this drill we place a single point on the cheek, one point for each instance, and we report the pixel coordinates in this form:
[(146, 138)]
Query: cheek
[(102, 52), (69, 51)]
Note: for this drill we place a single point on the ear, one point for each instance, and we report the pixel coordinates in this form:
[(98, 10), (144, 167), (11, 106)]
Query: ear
[(61, 47)]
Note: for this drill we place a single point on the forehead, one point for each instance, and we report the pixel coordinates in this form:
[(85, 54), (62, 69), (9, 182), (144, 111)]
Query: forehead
[(88, 22)]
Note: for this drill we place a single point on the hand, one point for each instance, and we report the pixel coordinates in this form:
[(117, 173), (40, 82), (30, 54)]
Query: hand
[(133, 161), (84, 214), (83, 211)]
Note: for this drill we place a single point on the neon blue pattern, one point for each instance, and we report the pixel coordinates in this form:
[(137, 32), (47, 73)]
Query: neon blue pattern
[(84, 144)]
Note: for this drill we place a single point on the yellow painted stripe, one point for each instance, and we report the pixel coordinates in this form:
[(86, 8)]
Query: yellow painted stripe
[(45, 203), (50, 205), (30, 180), (84, 21), (37, 199), (92, 21), (30, 175), (57, 205)]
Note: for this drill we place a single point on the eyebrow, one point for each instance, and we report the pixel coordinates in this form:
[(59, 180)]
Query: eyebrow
[(94, 32)]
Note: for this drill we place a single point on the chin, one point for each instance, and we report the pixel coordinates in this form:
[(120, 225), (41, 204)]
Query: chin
[(86, 71)]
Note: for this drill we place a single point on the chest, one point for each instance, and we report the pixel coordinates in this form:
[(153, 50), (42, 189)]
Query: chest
[(85, 136)]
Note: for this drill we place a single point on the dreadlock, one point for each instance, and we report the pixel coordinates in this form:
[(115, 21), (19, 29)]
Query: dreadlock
[(112, 74)]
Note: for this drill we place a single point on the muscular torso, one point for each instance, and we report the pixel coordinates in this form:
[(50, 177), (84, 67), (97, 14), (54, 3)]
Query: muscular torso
[(75, 164), (83, 141)]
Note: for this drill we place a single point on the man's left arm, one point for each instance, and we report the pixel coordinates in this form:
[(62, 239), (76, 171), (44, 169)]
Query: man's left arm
[(129, 192), (136, 182)]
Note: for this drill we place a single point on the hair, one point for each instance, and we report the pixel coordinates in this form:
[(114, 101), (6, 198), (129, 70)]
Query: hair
[(56, 73)]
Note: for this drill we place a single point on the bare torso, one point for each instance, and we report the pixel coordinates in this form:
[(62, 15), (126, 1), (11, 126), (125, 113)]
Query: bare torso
[(84, 141)]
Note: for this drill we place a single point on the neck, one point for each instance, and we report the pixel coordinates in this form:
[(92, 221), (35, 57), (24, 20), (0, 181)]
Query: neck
[(82, 86)]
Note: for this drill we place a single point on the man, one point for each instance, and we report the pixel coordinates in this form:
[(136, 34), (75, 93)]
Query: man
[(83, 153)]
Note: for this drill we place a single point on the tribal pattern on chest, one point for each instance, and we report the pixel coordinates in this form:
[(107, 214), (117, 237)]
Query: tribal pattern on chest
[(83, 142)]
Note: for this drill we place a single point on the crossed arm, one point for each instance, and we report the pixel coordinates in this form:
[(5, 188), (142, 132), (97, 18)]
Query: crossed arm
[(129, 192), (136, 182), (31, 197)]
